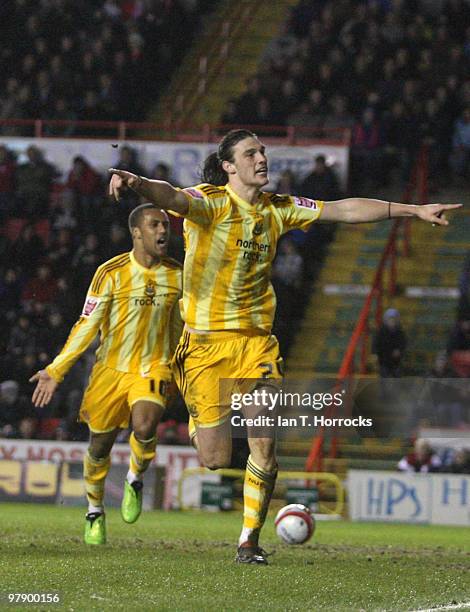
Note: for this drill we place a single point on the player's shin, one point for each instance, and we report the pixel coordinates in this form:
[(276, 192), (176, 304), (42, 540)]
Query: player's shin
[(257, 493), (142, 454), (95, 471)]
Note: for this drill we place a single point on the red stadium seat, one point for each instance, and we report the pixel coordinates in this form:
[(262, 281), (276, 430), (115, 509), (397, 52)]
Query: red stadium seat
[(13, 228), (47, 428), (43, 229)]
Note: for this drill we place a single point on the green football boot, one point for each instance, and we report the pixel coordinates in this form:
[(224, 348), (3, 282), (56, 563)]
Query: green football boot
[(131, 505), (95, 528)]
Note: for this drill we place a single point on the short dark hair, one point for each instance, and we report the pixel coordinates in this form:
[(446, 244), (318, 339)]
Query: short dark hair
[(136, 216), (212, 171)]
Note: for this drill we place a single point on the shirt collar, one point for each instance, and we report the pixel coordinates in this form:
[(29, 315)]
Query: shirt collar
[(140, 266), (243, 203)]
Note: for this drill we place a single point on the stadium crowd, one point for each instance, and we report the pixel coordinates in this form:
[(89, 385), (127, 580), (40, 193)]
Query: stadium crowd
[(85, 60), (57, 230), (394, 73)]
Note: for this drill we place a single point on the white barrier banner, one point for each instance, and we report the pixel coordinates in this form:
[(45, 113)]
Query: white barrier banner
[(56, 452), (438, 499), (184, 159), (175, 459)]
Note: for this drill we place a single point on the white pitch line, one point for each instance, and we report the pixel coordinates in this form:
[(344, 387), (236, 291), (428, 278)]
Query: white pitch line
[(460, 606)]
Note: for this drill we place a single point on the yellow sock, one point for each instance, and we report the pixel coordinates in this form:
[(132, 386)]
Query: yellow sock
[(257, 492), (94, 473), (142, 453)]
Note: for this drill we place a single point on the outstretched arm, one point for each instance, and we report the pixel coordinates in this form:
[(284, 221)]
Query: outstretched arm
[(365, 210), (160, 193)]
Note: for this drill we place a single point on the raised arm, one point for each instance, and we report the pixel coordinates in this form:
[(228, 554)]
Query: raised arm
[(365, 210), (160, 193)]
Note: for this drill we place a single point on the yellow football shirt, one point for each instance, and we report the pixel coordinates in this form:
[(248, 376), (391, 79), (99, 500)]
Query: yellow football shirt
[(230, 246), (136, 311)]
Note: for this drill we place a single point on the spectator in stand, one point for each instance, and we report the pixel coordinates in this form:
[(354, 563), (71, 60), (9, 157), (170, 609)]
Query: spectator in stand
[(286, 183), (13, 409), (459, 339), (463, 309), (86, 259), (41, 288), (231, 115), (423, 459), (27, 249), (249, 101), (128, 160), (63, 211), (339, 117), (61, 250), (434, 133), (62, 112), (162, 172), (85, 183), (460, 463), (401, 140), (116, 242), (322, 182), (287, 277), (52, 337), (440, 402), (90, 110), (68, 300), (7, 183), (283, 46), (367, 159), (303, 117), (460, 158), (108, 96), (22, 336), (389, 345), (34, 181), (38, 312), (10, 293), (264, 116)]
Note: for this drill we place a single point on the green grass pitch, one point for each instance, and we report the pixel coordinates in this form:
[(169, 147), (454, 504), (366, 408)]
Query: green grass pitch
[(185, 561)]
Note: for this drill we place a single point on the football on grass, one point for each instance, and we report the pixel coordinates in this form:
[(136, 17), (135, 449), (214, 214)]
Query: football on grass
[(294, 524)]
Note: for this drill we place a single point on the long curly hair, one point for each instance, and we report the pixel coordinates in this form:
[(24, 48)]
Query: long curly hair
[(212, 171)]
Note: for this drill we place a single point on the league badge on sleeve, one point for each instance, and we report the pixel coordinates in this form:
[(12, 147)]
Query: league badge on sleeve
[(90, 305), (305, 202)]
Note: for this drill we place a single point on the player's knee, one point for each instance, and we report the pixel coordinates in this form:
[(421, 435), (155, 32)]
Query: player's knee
[(215, 462), (98, 451), (145, 429)]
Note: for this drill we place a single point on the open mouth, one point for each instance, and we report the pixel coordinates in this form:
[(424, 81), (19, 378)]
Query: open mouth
[(161, 241), (262, 171)]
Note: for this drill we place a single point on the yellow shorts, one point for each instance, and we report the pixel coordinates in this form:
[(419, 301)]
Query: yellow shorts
[(202, 360), (110, 395)]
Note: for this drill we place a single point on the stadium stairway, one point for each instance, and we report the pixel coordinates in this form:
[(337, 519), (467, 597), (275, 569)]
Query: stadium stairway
[(231, 71), (435, 263)]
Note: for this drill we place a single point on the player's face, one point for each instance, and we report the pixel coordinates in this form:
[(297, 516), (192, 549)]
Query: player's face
[(154, 232), (250, 162)]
